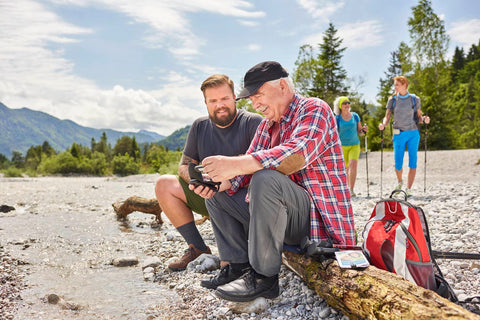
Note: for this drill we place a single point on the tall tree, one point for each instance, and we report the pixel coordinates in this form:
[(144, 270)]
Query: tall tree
[(305, 67), (427, 31), (430, 79), (322, 76), (466, 98), (458, 63)]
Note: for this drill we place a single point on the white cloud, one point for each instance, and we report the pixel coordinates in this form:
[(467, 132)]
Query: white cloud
[(169, 27), (465, 32), (361, 34), (41, 79), (248, 23), (38, 77), (254, 47), (321, 9)]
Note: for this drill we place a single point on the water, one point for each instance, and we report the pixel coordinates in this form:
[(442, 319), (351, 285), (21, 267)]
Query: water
[(66, 233)]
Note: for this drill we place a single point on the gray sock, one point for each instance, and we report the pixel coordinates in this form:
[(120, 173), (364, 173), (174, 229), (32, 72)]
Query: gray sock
[(190, 233)]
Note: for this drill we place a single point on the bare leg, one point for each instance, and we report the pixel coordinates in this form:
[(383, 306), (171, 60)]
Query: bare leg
[(399, 174), (352, 174), (171, 199), (411, 177)]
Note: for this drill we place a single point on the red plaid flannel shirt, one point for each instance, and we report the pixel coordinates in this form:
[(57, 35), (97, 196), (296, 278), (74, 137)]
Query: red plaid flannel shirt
[(308, 128)]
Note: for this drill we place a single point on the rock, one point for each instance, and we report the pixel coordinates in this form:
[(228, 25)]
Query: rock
[(53, 298), (6, 208), (151, 262), (205, 262), (256, 306), (125, 261)]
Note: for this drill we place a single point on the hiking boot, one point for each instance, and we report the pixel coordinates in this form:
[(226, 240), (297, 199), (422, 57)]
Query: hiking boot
[(249, 287), (227, 274), (191, 254)]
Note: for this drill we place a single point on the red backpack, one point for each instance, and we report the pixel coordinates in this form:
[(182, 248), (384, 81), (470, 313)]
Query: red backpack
[(396, 239)]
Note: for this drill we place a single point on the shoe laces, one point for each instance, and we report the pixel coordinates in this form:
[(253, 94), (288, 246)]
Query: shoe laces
[(250, 278), (224, 270), (189, 252)]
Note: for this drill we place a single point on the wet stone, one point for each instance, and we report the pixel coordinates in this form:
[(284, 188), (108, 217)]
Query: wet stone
[(125, 261)]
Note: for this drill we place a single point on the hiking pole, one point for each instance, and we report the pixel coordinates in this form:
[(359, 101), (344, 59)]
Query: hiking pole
[(455, 255), (425, 165), (366, 161), (381, 163)]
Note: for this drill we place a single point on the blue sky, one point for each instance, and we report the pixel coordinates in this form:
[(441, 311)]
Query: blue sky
[(132, 65)]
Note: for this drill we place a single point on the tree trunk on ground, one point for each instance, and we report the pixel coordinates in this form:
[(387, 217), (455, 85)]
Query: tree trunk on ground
[(135, 203), (372, 293)]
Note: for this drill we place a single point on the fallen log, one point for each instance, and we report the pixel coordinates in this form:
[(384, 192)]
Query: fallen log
[(150, 206), (372, 293), (135, 203)]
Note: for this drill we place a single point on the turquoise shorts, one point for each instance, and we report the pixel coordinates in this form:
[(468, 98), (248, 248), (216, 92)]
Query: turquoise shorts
[(406, 139)]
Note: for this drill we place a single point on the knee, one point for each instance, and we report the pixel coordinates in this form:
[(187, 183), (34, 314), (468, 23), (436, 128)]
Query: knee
[(164, 185), (217, 201), (264, 178), (353, 164)]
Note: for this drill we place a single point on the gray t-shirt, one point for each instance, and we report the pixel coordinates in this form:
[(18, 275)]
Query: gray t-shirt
[(206, 139), (403, 112)]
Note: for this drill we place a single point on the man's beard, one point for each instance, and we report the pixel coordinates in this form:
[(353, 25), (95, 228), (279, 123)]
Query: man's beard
[(224, 121)]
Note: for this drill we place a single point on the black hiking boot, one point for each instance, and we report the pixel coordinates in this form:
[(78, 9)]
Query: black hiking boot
[(249, 287), (227, 273)]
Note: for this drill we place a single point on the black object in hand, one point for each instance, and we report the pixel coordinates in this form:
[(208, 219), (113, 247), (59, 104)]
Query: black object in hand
[(322, 250), (197, 179)]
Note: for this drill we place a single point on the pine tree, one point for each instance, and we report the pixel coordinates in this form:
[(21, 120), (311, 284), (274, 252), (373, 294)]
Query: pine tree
[(458, 63), (322, 76)]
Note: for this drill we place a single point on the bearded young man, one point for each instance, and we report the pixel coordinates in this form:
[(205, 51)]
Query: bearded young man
[(226, 131)]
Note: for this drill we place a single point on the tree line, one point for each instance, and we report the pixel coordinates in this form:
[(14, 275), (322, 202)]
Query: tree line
[(98, 159), (449, 91)]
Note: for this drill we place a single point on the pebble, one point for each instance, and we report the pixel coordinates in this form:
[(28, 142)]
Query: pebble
[(125, 261)]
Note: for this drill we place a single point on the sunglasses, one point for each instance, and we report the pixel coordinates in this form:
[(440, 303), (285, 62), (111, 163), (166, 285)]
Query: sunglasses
[(346, 102)]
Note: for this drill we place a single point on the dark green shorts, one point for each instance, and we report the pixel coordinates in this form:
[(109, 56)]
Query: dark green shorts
[(194, 201)]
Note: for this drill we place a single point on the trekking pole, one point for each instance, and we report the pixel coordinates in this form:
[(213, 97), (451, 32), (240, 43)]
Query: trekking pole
[(425, 165), (366, 161), (381, 163)]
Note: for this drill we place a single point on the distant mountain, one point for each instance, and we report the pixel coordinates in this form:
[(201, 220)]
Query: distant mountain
[(22, 128), (176, 140)]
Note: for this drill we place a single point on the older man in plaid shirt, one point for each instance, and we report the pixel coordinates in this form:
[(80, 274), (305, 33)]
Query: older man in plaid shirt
[(290, 184)]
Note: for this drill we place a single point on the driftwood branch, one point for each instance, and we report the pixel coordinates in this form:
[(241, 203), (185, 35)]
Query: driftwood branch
[(135, 203), (372, 293)]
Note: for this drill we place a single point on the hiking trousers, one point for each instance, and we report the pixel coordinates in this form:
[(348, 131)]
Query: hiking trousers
[(278, 212)]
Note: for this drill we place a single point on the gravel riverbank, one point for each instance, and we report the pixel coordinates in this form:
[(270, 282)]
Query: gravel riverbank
[(63, 235)]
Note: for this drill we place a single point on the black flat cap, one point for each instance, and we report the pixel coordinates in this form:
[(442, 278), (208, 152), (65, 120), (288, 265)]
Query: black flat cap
[(258, 75)]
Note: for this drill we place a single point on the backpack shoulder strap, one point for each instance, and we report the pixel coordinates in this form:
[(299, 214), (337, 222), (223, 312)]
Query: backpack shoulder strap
[(337, 117), (413, 101), (356, 117)]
